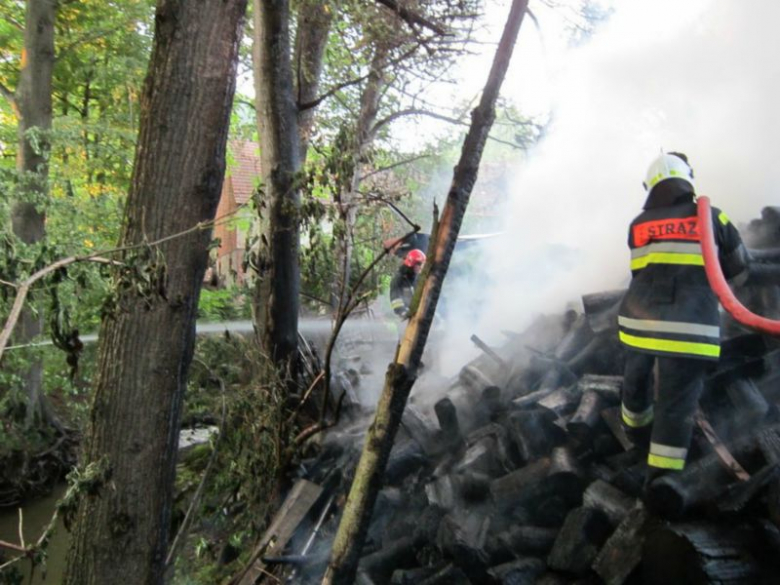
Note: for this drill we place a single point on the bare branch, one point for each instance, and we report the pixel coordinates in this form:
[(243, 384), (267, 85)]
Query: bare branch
[(24, 287), (337, 88), (412, 18), (395, 165)]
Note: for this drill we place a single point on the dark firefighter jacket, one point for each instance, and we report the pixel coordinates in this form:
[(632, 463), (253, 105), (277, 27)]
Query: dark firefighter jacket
[(670, 309), (402, 289)]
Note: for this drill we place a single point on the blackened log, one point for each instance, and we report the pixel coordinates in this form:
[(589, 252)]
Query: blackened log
[(766, 255), (612, 418), (622, 552), (442, 492), (411, 576), (508, 490), (381, 564), (610, 500), (473, 486), (550, 578), (447, 415), (609, 387), (591, 356), (565, 477), (764, 274), (534, 433), (481, 456), (490, 407), (563, 401), (462, 536), (405, 459), (427, 525), (602, 308), (505, 454), (523, 540), (769, 444), (519, 572), (739, 494), (551, 511), (631, 480), (475, 378), (419, 427), (750, 406), (449, 575), (698, 554), (588, 414), (490, 352), (575, 340), (579, 541), (703, 481)]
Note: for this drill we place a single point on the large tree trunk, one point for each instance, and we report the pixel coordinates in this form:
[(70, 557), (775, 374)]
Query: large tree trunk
[(276, 300), (146, 344), (34, 106), (401, 374)]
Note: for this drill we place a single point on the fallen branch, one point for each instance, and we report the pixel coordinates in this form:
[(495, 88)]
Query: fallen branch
[(23, 289)]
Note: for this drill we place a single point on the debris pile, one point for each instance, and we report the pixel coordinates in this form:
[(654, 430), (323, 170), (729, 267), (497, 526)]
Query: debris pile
[(522, 473)]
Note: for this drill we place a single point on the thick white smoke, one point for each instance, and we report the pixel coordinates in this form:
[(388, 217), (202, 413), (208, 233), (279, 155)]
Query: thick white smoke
[(701, 77)]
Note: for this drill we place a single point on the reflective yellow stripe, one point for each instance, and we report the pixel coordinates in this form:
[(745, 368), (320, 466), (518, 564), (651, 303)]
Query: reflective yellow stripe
[(689, 347), (654, 181), (636, 420), (723, 218), (665, 462), (667, 258), (396, 303)]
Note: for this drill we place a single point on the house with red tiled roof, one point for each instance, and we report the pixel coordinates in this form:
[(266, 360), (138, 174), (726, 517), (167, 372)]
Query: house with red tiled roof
[(241, 179)]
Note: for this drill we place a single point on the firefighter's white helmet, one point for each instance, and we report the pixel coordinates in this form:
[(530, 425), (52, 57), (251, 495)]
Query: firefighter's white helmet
[(668, 166)]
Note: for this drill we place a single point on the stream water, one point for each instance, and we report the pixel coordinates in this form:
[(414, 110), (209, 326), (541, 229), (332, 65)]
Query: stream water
[(36, 517)]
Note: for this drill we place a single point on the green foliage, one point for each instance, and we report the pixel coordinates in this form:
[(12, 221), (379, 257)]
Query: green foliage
[(240, 493), (226, 304)]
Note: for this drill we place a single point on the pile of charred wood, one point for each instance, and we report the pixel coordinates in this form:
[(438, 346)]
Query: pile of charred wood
[(522, 472)]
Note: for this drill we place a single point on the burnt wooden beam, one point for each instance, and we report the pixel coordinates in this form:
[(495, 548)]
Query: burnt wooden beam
[(622, 552), (296, 506), (610, 500), (583, 423), (700, 553), (579, 541)]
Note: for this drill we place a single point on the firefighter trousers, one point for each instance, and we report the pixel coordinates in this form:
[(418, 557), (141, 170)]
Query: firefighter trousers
[(668, 417)]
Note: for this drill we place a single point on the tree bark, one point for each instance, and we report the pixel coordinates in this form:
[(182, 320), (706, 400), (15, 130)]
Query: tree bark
[(277, 297), (401, 374), (33, 99), (146, 344), (314, 21)]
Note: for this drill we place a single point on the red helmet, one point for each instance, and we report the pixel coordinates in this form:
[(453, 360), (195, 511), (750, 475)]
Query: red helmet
[(414, 258)]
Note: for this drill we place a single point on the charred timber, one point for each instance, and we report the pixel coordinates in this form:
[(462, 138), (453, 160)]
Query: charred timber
[(610, 500), (701, 553), (579, 541), (583, 423), (622, 552)]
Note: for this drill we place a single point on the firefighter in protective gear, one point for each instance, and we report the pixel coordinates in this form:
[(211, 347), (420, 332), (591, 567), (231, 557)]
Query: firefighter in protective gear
[(669, 315), (402, 285)]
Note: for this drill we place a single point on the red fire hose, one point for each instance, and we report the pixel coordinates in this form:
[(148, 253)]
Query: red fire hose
[(718, 281)]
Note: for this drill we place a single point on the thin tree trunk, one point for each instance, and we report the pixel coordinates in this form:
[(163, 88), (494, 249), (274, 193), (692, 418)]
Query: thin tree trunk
[(401, 374), (146, 344), (362, 140), (34, 103), (277, 297), (314, 21)]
